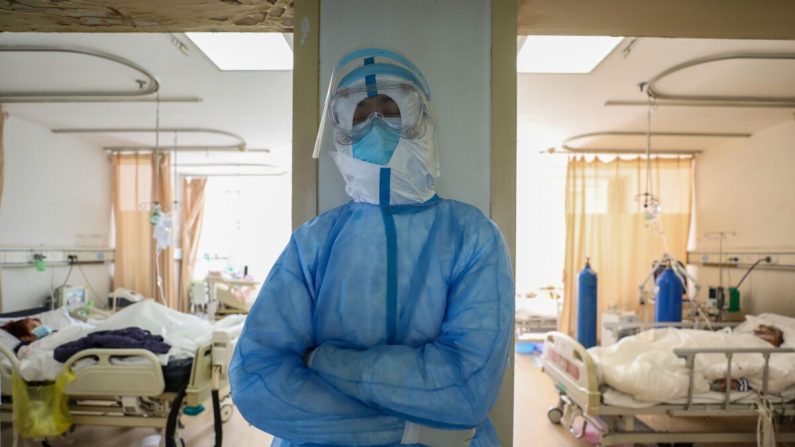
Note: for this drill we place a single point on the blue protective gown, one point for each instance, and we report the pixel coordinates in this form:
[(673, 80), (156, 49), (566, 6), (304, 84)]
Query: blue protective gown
[(410, 309)]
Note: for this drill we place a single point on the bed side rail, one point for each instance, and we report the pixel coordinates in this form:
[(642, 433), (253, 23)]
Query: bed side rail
[(211, 363), (225, 335), (689, 354), (4, 369), (7, 369), (572, 369), (104, 378)]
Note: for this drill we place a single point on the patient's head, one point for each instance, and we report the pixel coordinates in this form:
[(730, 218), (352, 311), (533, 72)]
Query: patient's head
[(25, 329), (770, 334)]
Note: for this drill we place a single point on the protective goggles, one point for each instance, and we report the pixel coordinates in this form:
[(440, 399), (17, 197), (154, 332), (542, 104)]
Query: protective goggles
[(395, 106)]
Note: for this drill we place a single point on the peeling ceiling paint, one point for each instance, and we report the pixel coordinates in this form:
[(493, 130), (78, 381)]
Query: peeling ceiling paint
[(146, 15)]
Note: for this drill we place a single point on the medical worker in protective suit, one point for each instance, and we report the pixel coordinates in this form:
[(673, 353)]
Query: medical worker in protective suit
[(386, 321)]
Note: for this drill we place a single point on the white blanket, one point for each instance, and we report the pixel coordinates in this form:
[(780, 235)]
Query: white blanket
[(645, 367), (184, 332)]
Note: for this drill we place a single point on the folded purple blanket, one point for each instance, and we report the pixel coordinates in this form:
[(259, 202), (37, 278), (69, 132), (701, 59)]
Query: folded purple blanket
[(128, 338)]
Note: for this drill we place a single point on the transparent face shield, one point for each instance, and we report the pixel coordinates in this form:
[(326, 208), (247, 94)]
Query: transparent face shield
[(373, 90)]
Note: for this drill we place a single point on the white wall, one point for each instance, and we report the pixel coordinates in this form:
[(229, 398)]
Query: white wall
[(449, 41), (540, 219), (55, 189), (748, 186), (247, 220)]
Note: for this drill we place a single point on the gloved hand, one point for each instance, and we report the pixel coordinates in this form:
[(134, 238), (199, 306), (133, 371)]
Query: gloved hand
[(436, 437)]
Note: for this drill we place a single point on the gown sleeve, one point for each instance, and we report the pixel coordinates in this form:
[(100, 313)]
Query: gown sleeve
[(453, 381), (272, 387)]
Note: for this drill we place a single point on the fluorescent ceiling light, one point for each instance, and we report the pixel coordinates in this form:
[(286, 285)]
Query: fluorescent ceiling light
[(245, 51), (563, 54)]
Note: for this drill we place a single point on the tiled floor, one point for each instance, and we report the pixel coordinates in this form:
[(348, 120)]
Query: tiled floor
[(534, 394)]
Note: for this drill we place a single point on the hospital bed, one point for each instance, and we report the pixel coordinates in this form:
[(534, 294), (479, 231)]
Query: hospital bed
[(582, 399), (536, 315), (143, 393)]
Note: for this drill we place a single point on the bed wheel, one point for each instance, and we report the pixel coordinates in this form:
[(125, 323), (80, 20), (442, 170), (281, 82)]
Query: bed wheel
[(178, 442), (555, 415), (227, 409)]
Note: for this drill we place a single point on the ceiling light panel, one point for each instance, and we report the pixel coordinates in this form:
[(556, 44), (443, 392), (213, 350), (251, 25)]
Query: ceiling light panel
[(563, 54), (245, 51)]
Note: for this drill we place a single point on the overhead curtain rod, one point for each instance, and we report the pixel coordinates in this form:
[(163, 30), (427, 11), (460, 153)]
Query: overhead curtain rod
[(684, 152), (239, 146), (197, 174), (667, 99), (146, 88), (567, 149), (227, 165)]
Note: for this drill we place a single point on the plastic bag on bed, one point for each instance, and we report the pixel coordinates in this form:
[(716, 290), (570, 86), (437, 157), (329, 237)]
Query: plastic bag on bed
[(40, 408)]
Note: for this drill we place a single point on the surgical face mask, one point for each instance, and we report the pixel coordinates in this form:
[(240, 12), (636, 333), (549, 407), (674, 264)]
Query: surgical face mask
[(413, 172), (378, 143), (41, 331)]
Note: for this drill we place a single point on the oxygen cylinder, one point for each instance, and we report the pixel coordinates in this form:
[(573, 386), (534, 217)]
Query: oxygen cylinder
[(586, 306), (668, 306)]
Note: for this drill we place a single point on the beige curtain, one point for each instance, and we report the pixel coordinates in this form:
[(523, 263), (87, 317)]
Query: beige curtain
[(133, 197), (192, 216), (605, 222)]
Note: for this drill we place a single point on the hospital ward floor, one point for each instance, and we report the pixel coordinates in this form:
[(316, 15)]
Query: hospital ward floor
[(534, 395)]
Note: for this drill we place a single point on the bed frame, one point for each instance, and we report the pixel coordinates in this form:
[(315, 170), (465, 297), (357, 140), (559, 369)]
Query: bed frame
[(133, 395), (574, 374)]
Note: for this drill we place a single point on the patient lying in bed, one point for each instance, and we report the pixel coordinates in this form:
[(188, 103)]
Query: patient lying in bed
[(27, 330), (645, 367), (184, 334)]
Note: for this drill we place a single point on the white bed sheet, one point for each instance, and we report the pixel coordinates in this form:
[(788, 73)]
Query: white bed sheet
[(184, 332), (537, 307), (645, 368)]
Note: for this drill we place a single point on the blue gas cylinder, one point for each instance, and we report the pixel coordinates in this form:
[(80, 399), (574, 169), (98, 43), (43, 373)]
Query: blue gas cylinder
[(668, 306), (586, 306)]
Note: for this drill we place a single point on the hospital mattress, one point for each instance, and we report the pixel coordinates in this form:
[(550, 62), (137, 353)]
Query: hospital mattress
[(613, 397)]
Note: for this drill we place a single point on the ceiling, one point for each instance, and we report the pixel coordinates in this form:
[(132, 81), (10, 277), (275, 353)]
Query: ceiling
[(146, 15), (257, 106), (254, 105), (732, 19), (554, 107), (683, 18)]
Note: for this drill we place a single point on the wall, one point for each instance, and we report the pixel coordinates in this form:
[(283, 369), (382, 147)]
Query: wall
[(56, 188), (748, 187), (246, 222), (449, 41)]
